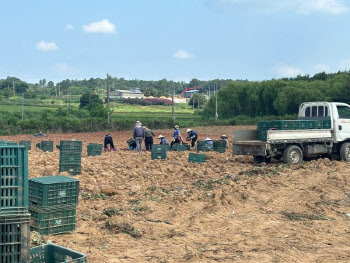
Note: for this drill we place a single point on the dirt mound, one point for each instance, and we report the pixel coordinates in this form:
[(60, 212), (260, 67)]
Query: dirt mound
[(134, 209)]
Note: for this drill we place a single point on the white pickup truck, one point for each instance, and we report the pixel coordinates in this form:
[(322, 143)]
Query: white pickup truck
[(294, 145)]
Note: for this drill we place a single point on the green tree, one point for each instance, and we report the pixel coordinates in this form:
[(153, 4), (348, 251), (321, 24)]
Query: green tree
[(198, 98)]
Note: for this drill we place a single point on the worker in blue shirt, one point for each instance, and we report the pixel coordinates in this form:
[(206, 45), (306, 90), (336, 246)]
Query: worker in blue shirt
[(163, 140), (176, 136), (192, 135)]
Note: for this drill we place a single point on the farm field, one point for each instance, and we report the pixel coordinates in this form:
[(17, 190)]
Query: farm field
[(134, 209)]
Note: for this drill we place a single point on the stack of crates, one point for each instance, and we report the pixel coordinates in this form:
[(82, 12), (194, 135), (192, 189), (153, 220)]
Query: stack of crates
[(158, 151), (50, 253), (46, 146), (70, 157), (14, 217), (219, 146), (196, 157), (52, 204), (94, 149), (27, 144), (203, 146)]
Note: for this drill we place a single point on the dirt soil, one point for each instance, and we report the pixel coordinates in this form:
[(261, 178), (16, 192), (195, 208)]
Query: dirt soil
[(134, 209)]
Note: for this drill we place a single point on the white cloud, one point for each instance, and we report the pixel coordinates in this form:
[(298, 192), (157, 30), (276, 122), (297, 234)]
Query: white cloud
[(69, 27), (287, 71), (46, 46), (322, 68), (305, 7), (181, 54), (103, 26), (323, 6), (344, 64)]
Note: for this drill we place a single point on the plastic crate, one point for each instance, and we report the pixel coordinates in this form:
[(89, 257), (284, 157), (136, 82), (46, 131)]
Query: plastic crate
[(158, 155), (14, 238), (262, 136), (219, 149), (27, 144), (72, 169), (179, 147), (70, 158), (51, 191), (52, 221), (204, 146), (196, 157), (13, 179), (51, 253), (159, 148), (219, 143), (70, 146), (46, 146), (94, 149), (264, 125), (327, 124)]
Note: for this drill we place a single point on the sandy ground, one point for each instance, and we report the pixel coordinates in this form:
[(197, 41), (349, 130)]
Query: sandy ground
[(134, 209)]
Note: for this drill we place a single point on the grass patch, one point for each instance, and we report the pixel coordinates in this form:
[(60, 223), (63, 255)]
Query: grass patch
[(89, 196), (112, 211), (139, 209), (210, 184), (264, 171), (301, 217), (125, 228)]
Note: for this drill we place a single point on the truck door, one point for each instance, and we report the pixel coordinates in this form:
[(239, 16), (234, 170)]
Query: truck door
[(342, 126)]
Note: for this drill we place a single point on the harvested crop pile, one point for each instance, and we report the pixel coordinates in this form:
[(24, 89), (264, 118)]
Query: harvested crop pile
[(134, 209)]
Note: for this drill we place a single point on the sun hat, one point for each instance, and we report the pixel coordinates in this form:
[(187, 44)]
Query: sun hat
[(176, 126), (160, 136), (188, 130), (223, 136)]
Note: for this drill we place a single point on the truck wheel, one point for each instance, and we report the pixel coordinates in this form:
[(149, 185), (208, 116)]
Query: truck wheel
[(345, 151), (292, 155)]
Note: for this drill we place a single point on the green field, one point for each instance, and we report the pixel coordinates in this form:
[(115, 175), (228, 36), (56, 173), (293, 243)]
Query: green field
[(17, 108)]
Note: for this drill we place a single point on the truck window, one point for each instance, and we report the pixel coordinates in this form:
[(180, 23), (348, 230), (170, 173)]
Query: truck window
[(314, 111), (320, 111), (343, 112), (307, 112), (326, 111)]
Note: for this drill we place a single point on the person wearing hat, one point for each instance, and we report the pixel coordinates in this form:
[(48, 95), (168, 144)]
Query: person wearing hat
[(192, 135), (163, 140), (138, 135), (176, 136), (224, 138)]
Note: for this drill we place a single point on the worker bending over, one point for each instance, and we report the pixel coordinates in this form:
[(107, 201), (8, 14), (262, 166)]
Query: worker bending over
[(192, 135), (109, 141), (163, 140)]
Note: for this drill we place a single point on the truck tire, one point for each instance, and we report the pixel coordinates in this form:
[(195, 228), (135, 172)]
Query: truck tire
[(292, 155), (345, 151)]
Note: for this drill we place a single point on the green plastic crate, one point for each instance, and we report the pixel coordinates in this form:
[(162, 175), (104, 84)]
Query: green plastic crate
[(52, 221), (264, 125), (168, 147), (159, 148), (262, 136), (72, 169), (70, 158), (27, 144), (14, 238), (46, 146), (219, 143), (13, 179), (178, 147), (219, 149), (327, 124), (94, 149), (70, 146), (203, 146), (158, 155), (51, 253), (51, 191), (196, 157), (187, 147)]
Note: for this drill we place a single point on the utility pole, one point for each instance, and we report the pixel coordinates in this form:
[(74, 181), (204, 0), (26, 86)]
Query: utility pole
[(59, 89), (108, 120), (13, 87), (69, 100), (22, 106), (198, 102), (172, 103), (216, 102)]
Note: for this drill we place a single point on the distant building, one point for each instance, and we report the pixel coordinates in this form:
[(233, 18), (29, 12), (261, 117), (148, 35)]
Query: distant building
[(133, 93), (189, 93)]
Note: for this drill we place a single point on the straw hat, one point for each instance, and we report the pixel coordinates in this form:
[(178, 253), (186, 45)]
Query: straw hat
[(223, 136), (160, 136), (188, 130), (176, 126)]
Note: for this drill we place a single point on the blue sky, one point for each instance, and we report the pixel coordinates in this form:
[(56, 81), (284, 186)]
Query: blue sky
[(177, 40)]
